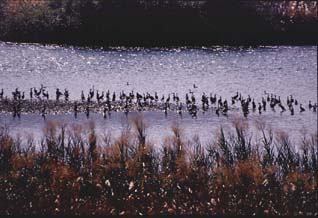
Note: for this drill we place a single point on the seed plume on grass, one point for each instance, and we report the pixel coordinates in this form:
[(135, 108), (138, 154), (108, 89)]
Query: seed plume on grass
[(73, 170)]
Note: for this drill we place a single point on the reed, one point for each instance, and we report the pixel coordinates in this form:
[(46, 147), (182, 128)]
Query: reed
[(72, 170)]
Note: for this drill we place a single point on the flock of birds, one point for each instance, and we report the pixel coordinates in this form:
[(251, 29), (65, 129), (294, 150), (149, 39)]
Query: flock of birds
[(40, 101)]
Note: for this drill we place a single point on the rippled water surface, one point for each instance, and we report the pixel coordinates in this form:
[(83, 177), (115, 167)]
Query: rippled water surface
[(221, 70)]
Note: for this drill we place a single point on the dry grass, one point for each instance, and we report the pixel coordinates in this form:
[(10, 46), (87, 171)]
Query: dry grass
[(71, 172)]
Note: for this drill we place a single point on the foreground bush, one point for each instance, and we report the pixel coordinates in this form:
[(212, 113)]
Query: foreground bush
[(76, 172)]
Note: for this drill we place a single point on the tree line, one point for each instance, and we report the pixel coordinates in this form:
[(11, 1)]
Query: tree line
[(166, 21)]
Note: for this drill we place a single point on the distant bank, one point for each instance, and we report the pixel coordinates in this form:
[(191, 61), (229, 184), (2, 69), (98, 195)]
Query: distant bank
[(159, 23)]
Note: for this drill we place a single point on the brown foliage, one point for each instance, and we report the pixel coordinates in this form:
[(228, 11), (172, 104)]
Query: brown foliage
[(75, 173)]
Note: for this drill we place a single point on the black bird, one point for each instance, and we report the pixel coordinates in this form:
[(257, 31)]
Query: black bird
[(168, 99), (213, 99), (264, 104), (301, 108), (220, 103), (46, 95), (310, 105), (126, 110), (91, 92), (105, 113), (217, 111), (253, 105), (288, 101), (16, 94), (87, 111), (291, 99), (282, 107), (14, 114), (83, 96), (193, 111), (58, 94), (249, 98), (36, 92), (235, 96), (42, 89), (166, 109), (31, 93), (19, 114), (97, 96), (180, 109), (43, 112), (226, 108), (259, 108), (163, 98), (114, 97), (75, 110), (291, 110), (66, 94)]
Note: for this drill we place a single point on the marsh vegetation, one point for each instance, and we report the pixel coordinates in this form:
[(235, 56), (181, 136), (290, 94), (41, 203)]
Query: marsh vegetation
[(72, 171)]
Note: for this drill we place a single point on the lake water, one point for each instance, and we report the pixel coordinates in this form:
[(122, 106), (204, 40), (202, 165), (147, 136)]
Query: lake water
[(280, 70)]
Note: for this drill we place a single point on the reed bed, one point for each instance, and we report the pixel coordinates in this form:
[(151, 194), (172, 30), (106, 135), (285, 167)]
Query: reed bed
[(73, 172)]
